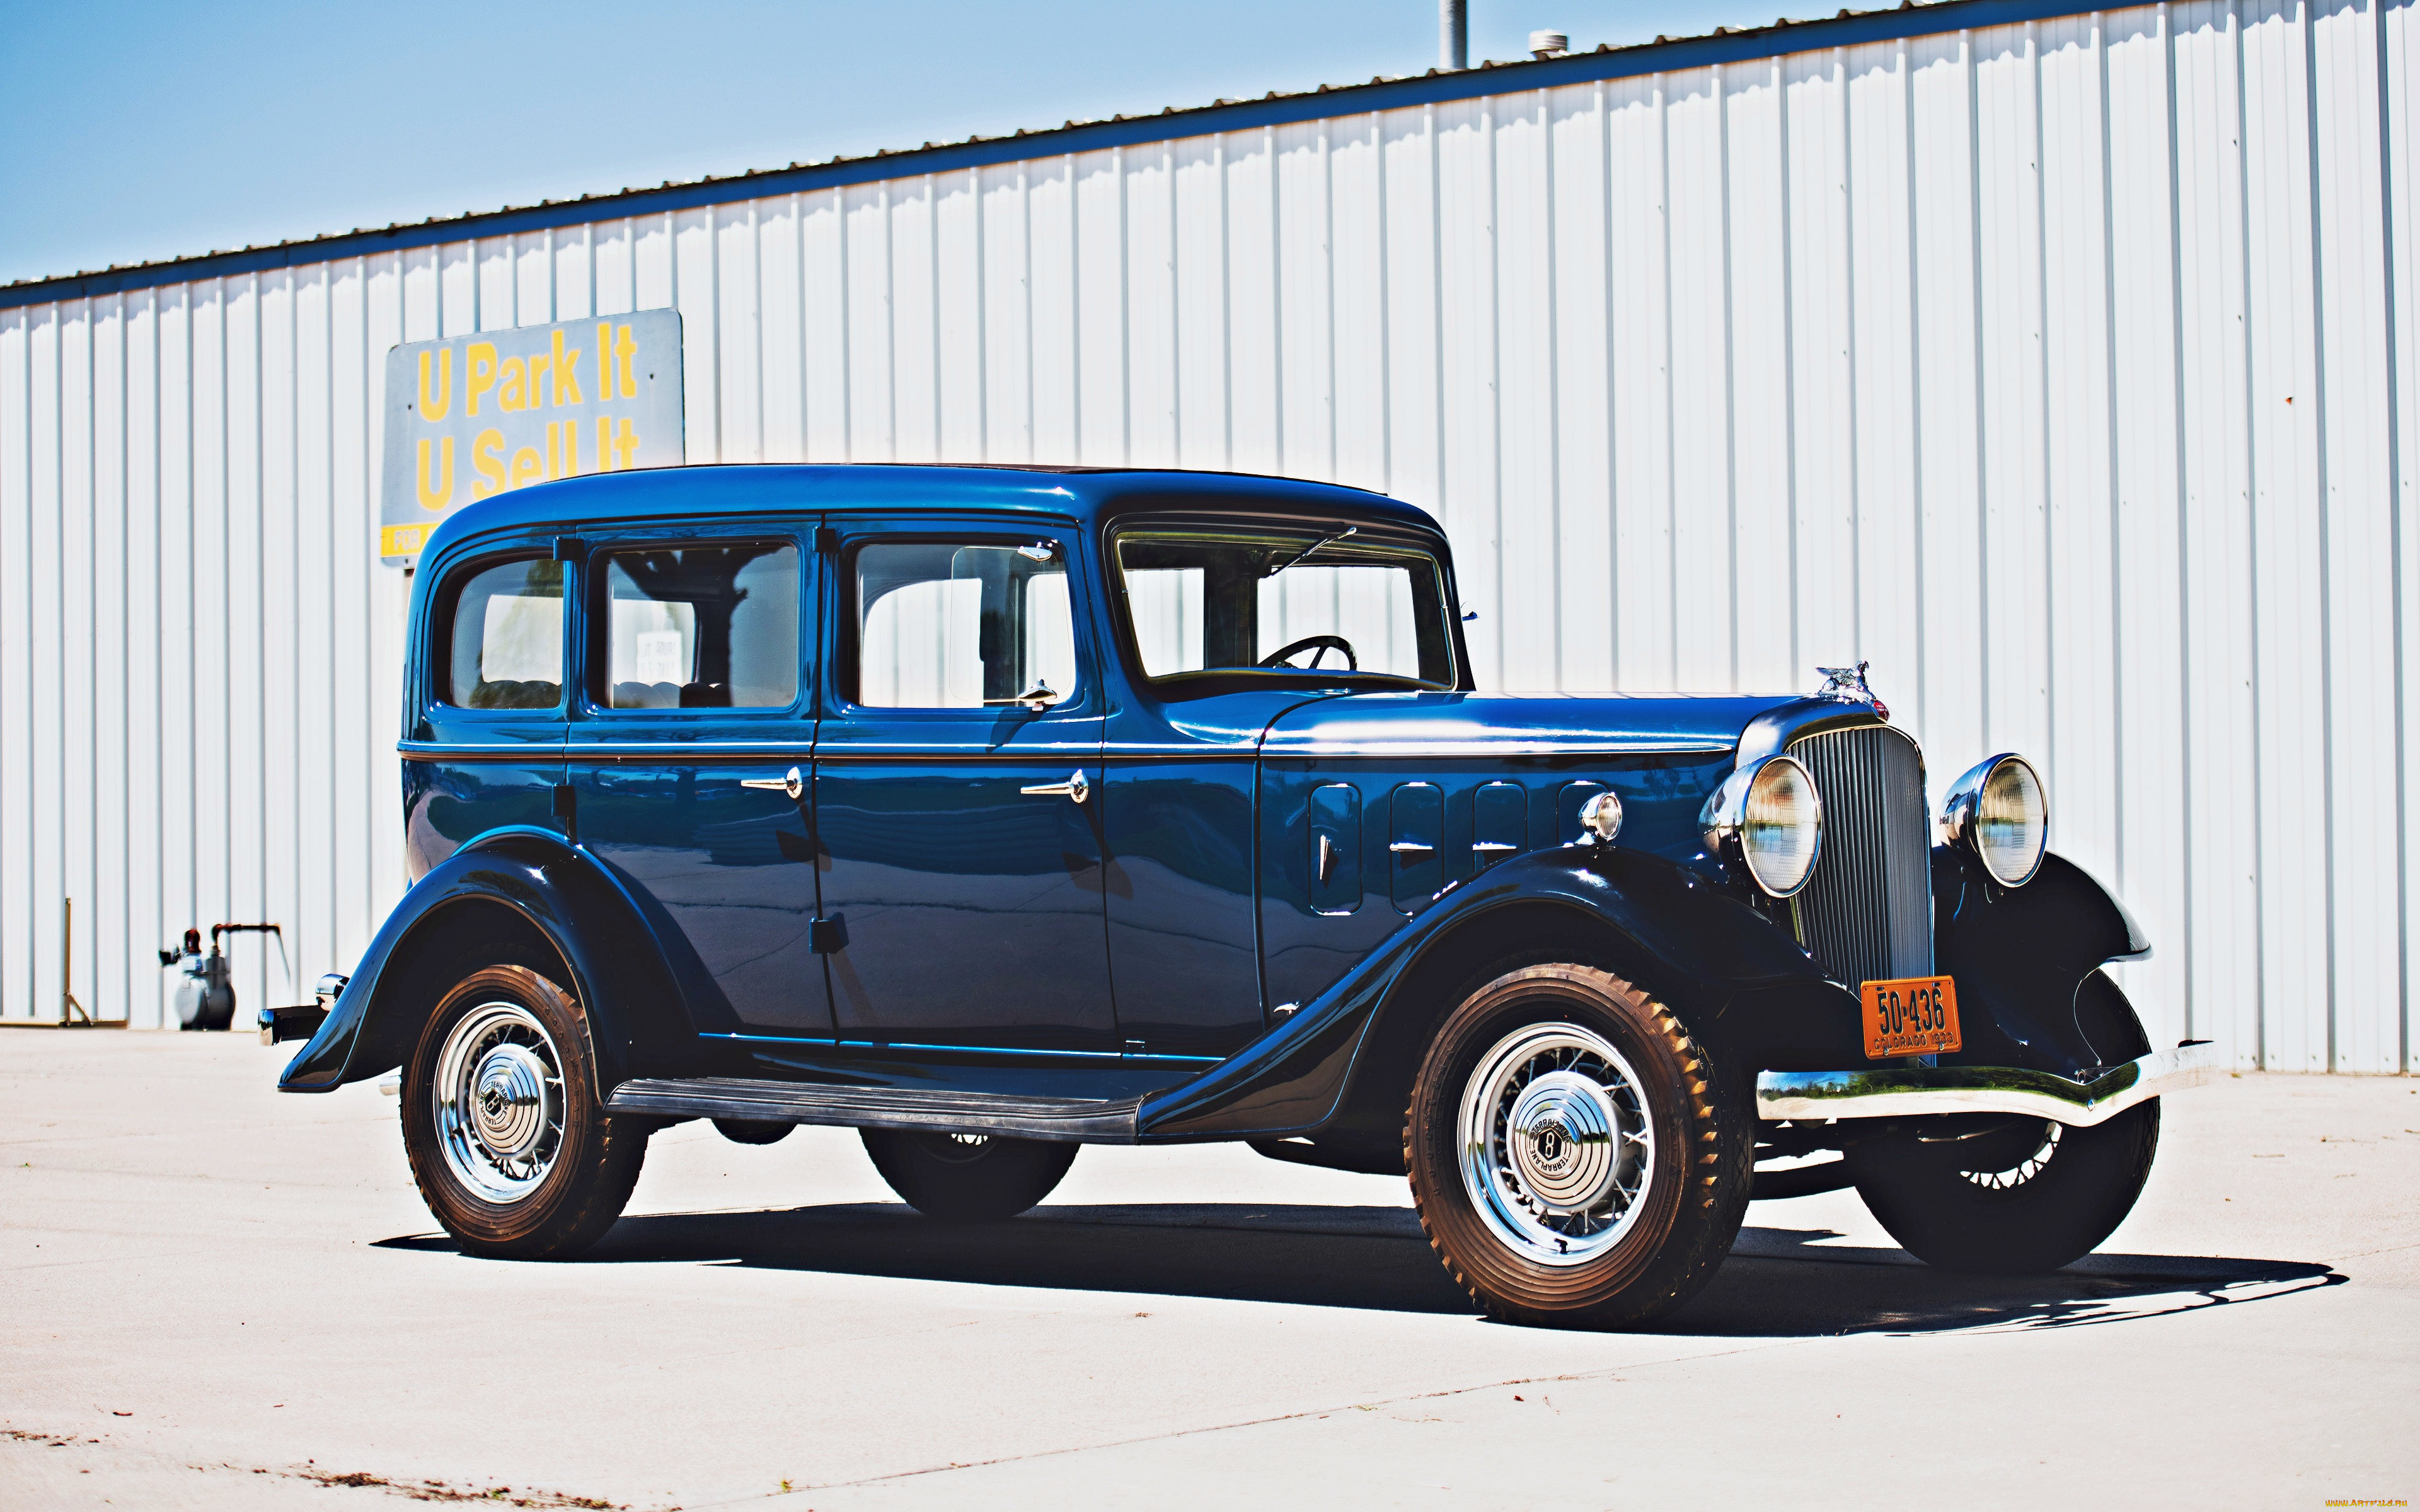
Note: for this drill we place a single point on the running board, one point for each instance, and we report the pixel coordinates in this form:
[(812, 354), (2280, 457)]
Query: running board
[(1079, 1119)]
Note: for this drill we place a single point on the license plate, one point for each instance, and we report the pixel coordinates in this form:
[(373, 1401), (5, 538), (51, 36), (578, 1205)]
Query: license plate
[(1911, 1016)]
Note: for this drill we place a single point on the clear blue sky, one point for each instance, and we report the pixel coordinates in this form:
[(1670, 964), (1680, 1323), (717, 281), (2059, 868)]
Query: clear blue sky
[(137, 131)]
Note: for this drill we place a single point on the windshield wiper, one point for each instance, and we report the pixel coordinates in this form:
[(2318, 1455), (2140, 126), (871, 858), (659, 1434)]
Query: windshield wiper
[(1323, 541)]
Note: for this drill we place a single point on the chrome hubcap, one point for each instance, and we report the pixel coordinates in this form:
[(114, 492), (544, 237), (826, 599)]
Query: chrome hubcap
[(1555, 1147), (499, 1101)]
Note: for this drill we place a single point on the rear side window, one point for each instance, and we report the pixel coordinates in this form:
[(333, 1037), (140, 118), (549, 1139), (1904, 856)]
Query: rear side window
[(702, 627), (506, 640)]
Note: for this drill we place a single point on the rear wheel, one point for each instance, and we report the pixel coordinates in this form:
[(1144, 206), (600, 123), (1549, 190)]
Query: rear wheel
[(1576, 1158), (966, 1177), (511, 1150), (2030, 1196)]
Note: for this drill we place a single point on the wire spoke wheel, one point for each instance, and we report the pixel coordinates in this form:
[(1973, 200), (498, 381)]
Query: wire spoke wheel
[(2009, 1178), (1556, 1148), (2016, 1201), (1577, 1157), (966, 1177), (508, 1142), (498, 1102)]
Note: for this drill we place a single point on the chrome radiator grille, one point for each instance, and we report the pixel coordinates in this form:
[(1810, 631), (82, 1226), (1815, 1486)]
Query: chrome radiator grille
[(1867, 914)]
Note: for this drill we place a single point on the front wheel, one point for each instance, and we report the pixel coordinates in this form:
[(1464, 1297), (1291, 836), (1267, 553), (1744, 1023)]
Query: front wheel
[(971, 1179), (511, 1149), (2027, 1197), (1576, 1156)]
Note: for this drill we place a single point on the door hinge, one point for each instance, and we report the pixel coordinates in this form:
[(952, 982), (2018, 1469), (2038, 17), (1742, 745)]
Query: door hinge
[(568, 547), (827, 539), (566, 807), (828, 936)]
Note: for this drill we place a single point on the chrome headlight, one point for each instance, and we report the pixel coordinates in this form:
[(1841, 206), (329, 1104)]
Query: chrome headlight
[(1769, 818), (1998, 812)]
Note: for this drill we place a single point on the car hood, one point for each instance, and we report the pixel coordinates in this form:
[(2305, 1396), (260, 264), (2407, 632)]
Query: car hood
[(1514, 724)]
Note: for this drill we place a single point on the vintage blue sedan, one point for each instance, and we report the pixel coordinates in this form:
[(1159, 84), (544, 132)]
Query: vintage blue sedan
[(997, 811)]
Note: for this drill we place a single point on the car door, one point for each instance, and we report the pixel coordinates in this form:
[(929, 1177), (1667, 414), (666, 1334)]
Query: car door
[(689, 749), (957, 779)]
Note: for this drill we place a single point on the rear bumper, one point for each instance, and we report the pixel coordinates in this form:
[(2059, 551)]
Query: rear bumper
[(279, 1025), (1896, 1093)]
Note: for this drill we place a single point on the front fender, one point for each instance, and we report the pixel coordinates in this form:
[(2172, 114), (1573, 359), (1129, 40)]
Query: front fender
[(1659, 922), (615, 964), (2020, 956)]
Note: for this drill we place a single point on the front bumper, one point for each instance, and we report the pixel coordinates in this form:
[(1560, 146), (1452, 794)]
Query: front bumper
[(1899, 1092)]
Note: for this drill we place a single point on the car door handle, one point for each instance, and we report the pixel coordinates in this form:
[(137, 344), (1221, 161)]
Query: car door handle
[(1494, 847), (790, 783), (1075, 787), (1326, 857), (1412, 847)]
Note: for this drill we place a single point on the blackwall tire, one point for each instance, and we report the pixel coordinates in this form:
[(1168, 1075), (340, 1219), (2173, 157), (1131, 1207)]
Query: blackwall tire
[(511, 1150), (1577, 1158), (963, 1179), (2039, 1202)]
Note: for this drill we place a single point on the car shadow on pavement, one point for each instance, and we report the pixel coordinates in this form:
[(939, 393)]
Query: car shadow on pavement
[(1776, 1282), (1796, 1281), (1372, 1257)]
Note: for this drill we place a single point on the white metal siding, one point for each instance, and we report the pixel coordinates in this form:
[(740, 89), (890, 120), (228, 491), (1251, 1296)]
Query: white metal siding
[(2065, 370)]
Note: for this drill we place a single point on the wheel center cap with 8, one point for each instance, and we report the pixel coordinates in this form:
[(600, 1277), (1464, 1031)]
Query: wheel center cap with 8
[(1555, 1147), (510, 1096), (1560, 1134), (500, 1109)]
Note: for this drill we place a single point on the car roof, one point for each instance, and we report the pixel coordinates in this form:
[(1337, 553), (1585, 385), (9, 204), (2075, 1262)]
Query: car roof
[(737, 490)]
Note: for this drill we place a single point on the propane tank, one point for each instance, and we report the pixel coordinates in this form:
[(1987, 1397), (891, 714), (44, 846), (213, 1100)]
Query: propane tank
[(206, 998)]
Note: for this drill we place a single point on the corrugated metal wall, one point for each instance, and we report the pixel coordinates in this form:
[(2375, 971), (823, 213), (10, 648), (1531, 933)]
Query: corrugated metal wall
[(2061, 369)]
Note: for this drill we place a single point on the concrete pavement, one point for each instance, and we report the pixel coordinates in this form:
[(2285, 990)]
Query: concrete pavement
[(220, 1297)]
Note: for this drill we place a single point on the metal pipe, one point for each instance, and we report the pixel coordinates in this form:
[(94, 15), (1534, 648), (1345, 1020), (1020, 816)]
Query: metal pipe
[(1453, 34)]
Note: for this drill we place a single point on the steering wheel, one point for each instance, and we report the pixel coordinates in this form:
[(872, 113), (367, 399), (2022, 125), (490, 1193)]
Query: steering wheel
[(1322, 644)]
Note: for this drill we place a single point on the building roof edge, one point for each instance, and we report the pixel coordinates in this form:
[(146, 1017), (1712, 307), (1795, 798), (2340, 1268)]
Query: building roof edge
[(1664, 56)]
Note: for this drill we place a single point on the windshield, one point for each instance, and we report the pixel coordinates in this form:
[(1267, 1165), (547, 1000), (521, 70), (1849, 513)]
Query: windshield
[(1303, 599)]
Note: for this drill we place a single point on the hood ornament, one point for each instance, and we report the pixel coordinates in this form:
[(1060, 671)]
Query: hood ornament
[(1847, 685)]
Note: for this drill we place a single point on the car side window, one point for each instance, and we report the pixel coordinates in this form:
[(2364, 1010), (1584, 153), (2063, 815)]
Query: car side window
[(710, 626), (507, 638), (947, 624), (1210, 599)]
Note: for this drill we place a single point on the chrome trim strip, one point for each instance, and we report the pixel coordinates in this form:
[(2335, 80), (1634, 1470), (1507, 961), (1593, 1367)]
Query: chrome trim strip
[(713, 750), (828, 1043), (836, 748), (520, 755), (1894, 1092), (1048, 753), (1279, 748)]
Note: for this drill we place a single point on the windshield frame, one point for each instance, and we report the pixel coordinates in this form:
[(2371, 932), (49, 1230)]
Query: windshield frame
[(1324, 535)]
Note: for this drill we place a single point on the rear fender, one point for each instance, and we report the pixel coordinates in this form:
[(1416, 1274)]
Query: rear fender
[(524, 892), (1340, 1067)]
